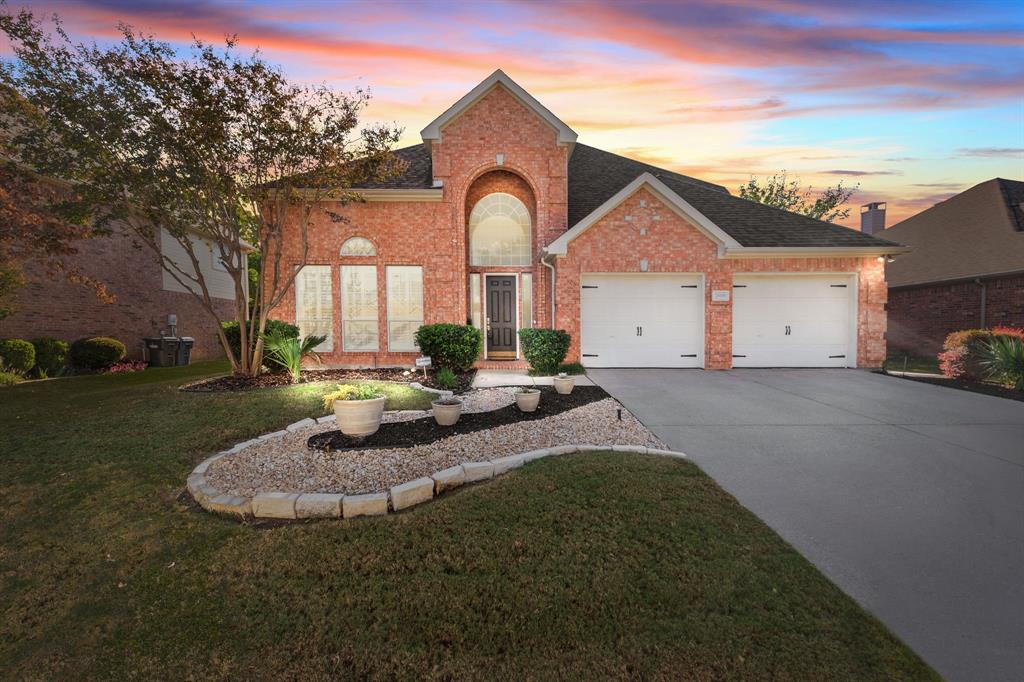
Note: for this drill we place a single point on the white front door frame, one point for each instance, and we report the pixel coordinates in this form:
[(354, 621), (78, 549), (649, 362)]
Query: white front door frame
[(519, 309)]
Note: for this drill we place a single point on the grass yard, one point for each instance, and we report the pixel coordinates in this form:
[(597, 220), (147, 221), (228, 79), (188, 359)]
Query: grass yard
[(901, 362), (584, 566)]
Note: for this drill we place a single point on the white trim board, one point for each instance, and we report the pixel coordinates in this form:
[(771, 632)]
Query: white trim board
[(560, 246), (566, 135)]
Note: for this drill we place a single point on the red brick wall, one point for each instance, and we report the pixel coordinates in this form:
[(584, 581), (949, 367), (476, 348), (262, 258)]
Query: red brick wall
[(673, 245), (921, 317), (54, 307)]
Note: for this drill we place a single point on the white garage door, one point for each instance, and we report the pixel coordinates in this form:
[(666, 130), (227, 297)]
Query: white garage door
[(642, 321), (793, 321)]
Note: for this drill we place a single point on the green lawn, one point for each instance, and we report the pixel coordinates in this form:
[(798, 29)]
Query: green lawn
[(902, 362), (584, 566)]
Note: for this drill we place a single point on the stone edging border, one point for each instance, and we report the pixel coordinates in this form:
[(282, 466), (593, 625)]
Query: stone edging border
[(285, 505)]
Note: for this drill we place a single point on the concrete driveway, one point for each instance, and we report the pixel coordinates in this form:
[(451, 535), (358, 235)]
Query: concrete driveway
[(908, 496)]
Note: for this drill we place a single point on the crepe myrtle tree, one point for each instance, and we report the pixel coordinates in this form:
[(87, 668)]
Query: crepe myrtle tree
[(213, 147), (782, 192)]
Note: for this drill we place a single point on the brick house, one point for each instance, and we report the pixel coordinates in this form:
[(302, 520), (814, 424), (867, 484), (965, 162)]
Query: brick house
[(966, 269), (144, 297), (503, 220)]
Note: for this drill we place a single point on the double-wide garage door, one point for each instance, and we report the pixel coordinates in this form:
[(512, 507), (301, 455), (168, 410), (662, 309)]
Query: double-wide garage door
[(642, 321), (657, 320)]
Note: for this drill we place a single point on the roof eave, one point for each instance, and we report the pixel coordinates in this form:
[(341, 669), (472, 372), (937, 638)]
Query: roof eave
[(815, 251)]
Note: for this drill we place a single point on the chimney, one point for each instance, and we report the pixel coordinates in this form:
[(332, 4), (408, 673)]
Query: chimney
[(872, 217)]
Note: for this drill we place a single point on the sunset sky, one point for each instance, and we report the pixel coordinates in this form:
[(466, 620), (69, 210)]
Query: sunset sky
[(913, 100)]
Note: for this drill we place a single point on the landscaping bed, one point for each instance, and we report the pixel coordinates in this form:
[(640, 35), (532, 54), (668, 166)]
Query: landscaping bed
[(985, 388), (233, 382), (287, 464), (406, 434)]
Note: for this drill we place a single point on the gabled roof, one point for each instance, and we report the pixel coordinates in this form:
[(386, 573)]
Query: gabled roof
[(596, 175), (976, 233), (566, 135)]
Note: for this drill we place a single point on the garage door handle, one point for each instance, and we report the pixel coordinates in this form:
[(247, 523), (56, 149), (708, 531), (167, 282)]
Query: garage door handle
[(788, 330)]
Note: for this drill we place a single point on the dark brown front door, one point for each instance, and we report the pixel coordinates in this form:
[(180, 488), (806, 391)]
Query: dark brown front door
[(501, 316)]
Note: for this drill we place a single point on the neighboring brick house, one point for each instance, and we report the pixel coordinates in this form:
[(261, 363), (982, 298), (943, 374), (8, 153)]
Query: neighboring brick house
[(500, 207), (966, 269), (144, 296)]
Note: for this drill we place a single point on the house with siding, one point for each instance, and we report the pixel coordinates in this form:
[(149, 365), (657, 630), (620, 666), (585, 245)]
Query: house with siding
[(503, 220)]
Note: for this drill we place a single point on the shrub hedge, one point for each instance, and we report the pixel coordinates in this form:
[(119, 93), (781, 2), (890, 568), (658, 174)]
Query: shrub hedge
[(51, 355), (96, 353), (964, 351), (544, 349), (17, 355), (452, 346)]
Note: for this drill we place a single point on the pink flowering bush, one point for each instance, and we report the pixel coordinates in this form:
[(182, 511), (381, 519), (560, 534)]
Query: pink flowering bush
[(128, 366)]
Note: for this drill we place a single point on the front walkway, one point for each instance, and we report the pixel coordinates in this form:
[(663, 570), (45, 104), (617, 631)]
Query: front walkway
[(490, 378), (908, 496)]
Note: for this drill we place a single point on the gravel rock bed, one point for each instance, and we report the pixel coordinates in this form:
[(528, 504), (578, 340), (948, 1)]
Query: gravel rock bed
[(272, 379), (286, 464)]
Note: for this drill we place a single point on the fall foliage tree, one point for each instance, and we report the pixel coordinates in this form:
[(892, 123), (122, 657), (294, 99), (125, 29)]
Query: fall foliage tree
[(211, 147), (782, 192)]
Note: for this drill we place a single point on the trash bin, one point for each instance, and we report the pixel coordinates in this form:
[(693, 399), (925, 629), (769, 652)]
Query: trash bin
[(162, 350), (185, 350)]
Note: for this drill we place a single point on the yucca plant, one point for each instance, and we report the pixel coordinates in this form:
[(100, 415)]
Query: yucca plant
[(1003, 360), (289, 352)]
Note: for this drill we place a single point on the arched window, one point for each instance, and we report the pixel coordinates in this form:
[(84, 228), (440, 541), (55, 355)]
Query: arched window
[(358, 246), (499, 231)]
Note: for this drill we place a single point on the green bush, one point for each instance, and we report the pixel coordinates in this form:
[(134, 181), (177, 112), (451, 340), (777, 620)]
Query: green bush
[(451, 346), (17, 355), (572, 368), (51, 355), (544, 349), (276, 328), (288, 353), (1003, 360), (96, 353), (446, 379), (9, 378)]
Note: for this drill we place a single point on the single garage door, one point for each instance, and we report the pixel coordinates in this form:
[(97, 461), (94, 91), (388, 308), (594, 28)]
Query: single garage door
[(642, 321), (793, 321)]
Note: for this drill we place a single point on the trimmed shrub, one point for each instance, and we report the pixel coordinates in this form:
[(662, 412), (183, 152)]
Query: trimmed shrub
[(277, 328), (17, 355), (961, 356), (9, 378), (544, 349), (97, 353), (451, 346), (51, 355)]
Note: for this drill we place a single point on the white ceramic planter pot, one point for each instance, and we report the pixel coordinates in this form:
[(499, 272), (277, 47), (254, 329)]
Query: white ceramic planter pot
[(527, 401), (359, 418), (446, 415), (564, 385)]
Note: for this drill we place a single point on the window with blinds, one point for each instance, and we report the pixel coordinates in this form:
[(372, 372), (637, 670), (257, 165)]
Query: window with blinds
[(314, 312), (359, 308), (405, 306)]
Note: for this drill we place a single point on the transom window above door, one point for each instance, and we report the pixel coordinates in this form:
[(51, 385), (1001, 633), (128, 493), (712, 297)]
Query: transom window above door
[(499, 231)]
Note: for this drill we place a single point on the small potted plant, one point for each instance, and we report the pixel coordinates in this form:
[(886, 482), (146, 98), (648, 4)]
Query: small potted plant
[(358, 407), (527, 399), (564, 383), (447, 410)]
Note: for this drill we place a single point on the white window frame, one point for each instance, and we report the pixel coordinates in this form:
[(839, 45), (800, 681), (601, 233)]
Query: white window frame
[(300, 283), (376, 309), (391, 298), (473, 257)]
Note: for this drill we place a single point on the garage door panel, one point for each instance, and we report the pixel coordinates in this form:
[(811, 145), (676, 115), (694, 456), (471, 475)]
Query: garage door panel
[(669, 309), (792, 321)]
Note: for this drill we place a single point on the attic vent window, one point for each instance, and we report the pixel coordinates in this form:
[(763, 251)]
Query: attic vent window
[(358, 246)]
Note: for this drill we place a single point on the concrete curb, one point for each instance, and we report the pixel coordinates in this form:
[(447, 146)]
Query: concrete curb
[(291, 505)]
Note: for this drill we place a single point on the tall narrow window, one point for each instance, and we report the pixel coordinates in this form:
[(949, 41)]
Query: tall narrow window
[(526, 296), (359, 308), (405, 306), (475, 311), (499, 231), (314, 312)]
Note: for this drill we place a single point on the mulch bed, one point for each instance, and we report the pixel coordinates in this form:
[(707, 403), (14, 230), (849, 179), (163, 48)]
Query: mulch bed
[(973, 386), (425, 430), (396, 374)]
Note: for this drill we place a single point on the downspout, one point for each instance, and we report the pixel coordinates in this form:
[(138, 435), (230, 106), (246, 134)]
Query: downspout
[(551, 267), (984, 297)]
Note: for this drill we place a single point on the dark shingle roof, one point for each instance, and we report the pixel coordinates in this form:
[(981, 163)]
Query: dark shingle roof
[(596, 175), (417, 175), (1013, 194)]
